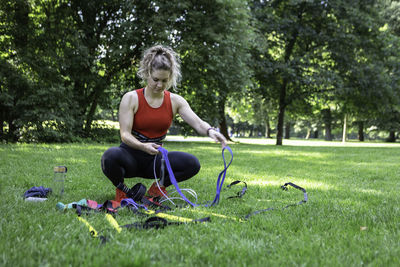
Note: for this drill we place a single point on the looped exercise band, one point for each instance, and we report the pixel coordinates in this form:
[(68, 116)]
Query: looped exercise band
[(220, 181)]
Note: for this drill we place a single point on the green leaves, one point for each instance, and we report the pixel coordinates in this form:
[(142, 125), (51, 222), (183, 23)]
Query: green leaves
[(287, 52), (316, 48)]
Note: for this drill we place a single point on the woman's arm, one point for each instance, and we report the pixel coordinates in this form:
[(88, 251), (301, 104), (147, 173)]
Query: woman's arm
[(191, 118), (127, 110)]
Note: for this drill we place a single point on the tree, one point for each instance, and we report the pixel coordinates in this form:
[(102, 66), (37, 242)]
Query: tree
[(290, 51), (213, 43), (309, 49), (75, 52), (29, 82)]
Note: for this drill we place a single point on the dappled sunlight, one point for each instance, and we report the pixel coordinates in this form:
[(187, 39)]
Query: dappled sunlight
[(306, 184), (347, 189), (315, 143), (71, 160), (92, 147), (286, 142), (180, 138), (369, 191), (263, 154), (299, 153)]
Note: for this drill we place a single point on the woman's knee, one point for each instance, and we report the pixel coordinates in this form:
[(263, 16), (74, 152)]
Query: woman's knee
[(195, 165), (191, 165), (109, 158)]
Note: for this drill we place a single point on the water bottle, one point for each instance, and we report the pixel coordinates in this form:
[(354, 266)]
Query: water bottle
[(60, 173)]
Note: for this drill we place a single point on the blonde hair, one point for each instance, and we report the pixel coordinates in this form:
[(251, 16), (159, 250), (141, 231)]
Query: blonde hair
[(160, 57)]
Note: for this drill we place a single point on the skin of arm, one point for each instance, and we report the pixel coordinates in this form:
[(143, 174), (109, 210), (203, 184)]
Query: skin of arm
[(127, 110), (181, 106)]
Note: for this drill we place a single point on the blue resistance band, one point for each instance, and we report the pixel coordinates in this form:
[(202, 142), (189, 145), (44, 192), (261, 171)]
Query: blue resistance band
[(220, 181), (132, 203)]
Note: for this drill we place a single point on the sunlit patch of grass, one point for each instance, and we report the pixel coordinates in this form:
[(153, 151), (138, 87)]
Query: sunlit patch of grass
[(351, 218)]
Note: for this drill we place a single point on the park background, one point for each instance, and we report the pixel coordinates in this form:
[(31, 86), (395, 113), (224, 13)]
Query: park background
[(272, 69), (265, 73)]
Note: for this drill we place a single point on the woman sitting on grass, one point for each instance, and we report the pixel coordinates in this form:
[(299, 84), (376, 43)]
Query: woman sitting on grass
[(145, 116)]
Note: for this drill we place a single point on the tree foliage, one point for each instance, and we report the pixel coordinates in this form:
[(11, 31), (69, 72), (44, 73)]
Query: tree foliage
[(64, 63), (309, 49)]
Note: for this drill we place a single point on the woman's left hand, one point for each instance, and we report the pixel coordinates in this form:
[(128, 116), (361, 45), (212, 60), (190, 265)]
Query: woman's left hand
[(218, 137)]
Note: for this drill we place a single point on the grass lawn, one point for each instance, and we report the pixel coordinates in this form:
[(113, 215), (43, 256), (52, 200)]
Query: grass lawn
[(352, 217)]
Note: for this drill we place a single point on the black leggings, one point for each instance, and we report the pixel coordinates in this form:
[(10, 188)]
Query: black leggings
[(122, 162)]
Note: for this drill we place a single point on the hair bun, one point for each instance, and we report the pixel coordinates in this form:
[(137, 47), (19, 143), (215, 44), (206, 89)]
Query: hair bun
[(159, 50)]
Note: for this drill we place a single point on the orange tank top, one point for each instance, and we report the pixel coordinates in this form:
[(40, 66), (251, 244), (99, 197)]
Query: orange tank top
[(152, 124)]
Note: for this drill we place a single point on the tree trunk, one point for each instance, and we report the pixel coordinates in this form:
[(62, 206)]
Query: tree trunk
[(361, 131), (392, 137), (282, 93), (308, 133), (92, 110), (287, 130), (268, 130), (79, 113), (222, 123), (224, 129), (327, 117), (281, 115), (12, 131), (344, 137), (316, 134), (328, 133), (114, 115), (279, 132)]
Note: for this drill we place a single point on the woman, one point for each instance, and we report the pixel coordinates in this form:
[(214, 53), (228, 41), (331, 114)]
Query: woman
[(145, 116)]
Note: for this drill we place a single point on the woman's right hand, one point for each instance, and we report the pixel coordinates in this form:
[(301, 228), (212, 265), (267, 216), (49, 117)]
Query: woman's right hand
[(151, 148)]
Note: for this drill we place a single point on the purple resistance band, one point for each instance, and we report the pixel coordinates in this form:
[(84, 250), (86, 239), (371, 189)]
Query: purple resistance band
[(220, 181)]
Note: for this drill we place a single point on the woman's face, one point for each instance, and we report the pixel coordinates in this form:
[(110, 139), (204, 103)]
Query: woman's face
[(158, 81)]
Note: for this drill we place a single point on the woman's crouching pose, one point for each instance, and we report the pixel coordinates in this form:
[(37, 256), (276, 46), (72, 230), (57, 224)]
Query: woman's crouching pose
[(145, 116)]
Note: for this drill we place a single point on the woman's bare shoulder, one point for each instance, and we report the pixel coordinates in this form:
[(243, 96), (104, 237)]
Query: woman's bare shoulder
[(130, 100), (177, 99)]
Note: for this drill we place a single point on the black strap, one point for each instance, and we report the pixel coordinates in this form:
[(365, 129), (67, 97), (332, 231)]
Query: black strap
[(149, 203), (80, 208), (152, 222), (144, 139), (240, 193), (257, 212), (159, 223), (137, 192), (284, 187)]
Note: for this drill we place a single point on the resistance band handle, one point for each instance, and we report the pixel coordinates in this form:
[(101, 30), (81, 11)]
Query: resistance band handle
[(92, 231), (284, 187), (113, 222)]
